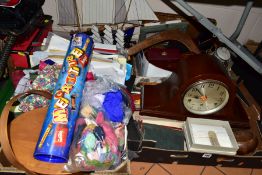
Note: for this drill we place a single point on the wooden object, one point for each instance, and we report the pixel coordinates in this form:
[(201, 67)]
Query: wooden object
[(175, 35), (168, 102), (19, 138), (19, 143), (166, 99), (250, 160), (246, 140)]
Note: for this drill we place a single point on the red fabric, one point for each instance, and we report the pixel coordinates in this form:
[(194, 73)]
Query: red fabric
[(42, 34), (16, 76), (20, 60), (23, 42), (90, 76)]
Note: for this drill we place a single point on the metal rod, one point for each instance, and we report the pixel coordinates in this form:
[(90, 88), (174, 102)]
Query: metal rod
[(242, 20), (236, 47)]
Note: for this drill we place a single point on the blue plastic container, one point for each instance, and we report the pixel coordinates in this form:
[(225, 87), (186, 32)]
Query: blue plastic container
[(57, 131)]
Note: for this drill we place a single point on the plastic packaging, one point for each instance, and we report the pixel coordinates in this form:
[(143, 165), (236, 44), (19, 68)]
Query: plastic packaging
[(99, 140), (57, 131)]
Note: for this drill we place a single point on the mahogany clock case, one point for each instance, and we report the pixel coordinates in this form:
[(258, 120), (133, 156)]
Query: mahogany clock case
[(188, 67), (166, 99)]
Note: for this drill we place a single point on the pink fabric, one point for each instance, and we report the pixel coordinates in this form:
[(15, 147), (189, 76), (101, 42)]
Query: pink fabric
[(109, 132)]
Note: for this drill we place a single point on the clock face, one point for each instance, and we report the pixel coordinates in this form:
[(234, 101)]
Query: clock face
[(206, 97)]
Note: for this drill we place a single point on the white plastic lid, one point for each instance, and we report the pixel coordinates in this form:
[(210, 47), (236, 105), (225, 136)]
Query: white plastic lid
[(223, 53)]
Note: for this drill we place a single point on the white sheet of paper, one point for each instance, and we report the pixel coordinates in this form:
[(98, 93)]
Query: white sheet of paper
[(42, 55), (150, 70), (154, 71), (56, 42)]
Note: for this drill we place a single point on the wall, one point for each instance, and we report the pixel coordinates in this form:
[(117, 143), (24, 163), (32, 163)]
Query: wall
[(227, 17)]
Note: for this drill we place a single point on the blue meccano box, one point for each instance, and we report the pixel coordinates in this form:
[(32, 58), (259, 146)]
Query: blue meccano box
[(57, 131)]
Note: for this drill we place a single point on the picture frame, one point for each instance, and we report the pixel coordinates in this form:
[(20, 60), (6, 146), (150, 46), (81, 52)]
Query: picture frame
[(210, 136)]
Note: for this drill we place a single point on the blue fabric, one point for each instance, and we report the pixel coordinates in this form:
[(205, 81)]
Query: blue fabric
[(128, 71), (50, 62), (113, 106)]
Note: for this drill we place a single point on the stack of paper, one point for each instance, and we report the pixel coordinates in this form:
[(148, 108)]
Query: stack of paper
[(110, 66), (105, 61), (53, 47)]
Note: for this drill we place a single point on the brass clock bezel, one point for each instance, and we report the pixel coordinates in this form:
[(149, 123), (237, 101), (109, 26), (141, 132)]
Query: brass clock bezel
[(210, 111)]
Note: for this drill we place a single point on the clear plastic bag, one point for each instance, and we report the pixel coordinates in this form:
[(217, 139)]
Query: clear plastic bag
[(103, 94), (100, 132)]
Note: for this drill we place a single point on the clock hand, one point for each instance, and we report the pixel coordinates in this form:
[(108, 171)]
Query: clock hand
[(196, 97), (200, 92), (202, 97)]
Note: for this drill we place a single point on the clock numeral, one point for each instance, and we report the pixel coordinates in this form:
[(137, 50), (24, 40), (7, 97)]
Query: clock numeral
[(222, 93), (194, 89), (211, 85), (202, 86)]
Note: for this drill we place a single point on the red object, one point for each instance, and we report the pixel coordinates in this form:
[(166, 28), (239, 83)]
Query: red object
[(136, 102), (105, 51), (163, 54), (24, 41), (10, 3), (45, 29), (16, 76), (163, 57), (60, 135), (28, 43), (90, 76), (20, 60), (33, 39)]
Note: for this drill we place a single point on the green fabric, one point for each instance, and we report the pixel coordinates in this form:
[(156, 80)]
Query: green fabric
[(7, 90), (165, 137)]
